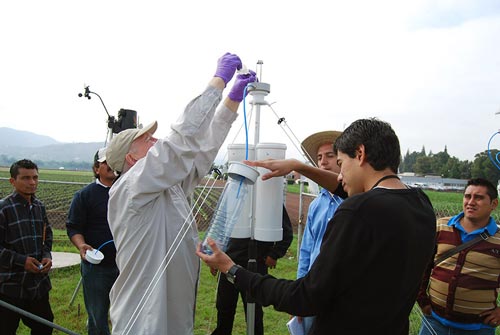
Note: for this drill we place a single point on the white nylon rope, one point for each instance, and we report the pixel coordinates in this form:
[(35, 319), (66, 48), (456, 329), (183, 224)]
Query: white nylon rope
[(425, 323), (294, 140)]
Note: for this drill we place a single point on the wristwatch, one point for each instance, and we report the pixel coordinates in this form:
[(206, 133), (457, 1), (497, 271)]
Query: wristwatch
[(231, 274)]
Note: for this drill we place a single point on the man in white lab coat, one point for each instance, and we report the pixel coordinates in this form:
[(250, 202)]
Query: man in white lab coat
[(149, 215)]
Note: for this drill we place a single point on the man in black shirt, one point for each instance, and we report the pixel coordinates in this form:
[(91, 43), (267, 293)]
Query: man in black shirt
[(374, 251), (88, 229)]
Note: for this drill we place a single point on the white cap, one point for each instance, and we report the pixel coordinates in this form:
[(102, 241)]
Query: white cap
[(100, 155)]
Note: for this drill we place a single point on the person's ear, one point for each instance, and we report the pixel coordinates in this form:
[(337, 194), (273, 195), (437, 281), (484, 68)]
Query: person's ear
[(130, 160), (360, 153), (494, 204)]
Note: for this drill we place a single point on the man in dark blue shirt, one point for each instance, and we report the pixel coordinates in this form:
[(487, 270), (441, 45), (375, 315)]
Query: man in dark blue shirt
[(25, 258), (88, 229)]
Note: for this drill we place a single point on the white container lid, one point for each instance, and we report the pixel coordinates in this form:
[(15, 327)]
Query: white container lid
[(94, 256), (237, 169), (269, 145)]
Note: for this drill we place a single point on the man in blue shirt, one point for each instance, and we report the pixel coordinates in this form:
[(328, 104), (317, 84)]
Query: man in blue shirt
[(318, 148), (458, 293)]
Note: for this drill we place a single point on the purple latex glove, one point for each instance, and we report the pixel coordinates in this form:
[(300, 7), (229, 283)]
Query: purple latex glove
[(242, 80), (226, 66)]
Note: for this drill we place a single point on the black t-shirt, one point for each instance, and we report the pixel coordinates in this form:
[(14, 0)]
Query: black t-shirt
[(366, 277)]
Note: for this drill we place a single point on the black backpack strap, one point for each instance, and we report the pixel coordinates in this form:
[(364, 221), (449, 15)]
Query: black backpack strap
[(482, 237)]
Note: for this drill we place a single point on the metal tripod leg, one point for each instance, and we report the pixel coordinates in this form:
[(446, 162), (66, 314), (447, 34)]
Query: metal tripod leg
[(76, 291), (36, 318), (252, 266)]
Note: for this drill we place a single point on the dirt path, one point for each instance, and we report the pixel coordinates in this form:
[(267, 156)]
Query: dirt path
[(292, 207)]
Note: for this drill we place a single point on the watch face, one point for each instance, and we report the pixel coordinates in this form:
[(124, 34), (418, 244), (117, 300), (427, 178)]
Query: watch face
[(230, 278), (231, 274)]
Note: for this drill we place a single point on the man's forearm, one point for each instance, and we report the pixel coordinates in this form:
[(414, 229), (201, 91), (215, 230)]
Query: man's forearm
[(324, 178), (219, 84)]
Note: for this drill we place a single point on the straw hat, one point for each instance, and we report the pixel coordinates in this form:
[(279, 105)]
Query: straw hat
[(312, 143)]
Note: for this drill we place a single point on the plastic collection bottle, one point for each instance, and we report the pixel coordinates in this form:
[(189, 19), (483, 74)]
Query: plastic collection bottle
[(229, 206)]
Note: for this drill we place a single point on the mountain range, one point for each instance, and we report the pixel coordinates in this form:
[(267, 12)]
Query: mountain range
[(19, 144)]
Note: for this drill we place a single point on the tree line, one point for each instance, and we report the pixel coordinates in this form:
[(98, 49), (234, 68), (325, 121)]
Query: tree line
[(446, 166)]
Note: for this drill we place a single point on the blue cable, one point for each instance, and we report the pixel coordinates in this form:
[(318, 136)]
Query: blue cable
[(245, 120), (102, 245), (495, 161), (246, 134)]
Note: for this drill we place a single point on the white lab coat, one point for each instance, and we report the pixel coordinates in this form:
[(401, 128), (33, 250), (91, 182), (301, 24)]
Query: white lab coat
[(147, 208)]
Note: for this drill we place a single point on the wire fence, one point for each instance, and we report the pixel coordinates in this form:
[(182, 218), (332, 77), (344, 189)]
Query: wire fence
[(57, 196)]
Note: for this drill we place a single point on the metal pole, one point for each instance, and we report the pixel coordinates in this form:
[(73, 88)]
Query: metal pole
[(252, 245), (36, 317), (75, 291), (299, 227), (258, 91)]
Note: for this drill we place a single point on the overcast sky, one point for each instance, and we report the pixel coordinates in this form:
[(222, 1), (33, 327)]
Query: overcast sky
[(430, 68)]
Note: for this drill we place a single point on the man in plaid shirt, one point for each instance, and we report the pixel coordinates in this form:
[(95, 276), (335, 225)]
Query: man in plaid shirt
[(25, 259)]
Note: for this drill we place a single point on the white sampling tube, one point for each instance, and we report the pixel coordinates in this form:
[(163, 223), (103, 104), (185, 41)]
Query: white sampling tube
[(269, 197)]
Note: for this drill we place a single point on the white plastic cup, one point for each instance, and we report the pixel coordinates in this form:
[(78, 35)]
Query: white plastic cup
[(94, 256)]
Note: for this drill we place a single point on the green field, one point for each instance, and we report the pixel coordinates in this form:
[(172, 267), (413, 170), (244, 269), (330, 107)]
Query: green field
[(57, 175)]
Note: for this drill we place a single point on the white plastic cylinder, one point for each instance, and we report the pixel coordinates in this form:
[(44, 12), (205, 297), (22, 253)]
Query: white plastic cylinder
[(269, 197), (236, 152)]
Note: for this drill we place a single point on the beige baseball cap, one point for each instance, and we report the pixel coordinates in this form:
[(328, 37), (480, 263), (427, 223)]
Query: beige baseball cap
[(120, 145), (312, 143)]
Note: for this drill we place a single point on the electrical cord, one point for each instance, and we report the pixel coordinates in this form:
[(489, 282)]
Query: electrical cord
[(496, 160)]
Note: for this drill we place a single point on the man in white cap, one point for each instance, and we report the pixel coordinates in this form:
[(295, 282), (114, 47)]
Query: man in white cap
[(318, 149), (150, 218), (87, 227)]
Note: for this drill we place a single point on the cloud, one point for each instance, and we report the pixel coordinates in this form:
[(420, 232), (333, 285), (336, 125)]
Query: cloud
[(431, 14)]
